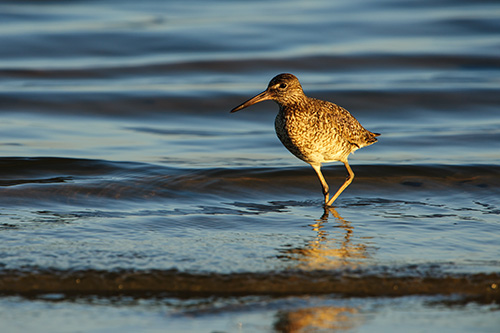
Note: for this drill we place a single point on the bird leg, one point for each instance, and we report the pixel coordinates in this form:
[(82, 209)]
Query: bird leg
[(348, 181), (326, 193)]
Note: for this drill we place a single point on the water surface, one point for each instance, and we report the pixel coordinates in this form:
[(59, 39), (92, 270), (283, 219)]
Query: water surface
[(129, 194)]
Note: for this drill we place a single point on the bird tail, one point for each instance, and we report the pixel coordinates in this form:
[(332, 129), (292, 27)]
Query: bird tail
[(371, 138)]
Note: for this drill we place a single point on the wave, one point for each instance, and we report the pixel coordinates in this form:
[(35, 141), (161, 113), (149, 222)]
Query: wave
[(481, 287), (72, 180)]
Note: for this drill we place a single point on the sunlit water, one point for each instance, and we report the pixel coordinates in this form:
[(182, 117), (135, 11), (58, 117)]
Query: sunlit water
[(119, 156)]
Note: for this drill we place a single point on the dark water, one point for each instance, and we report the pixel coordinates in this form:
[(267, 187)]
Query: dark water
[(131, 200)]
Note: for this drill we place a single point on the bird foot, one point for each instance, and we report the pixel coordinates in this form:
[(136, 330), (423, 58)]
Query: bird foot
[(330, 202)]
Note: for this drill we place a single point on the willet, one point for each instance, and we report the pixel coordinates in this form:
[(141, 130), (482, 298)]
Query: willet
[(313, 130)]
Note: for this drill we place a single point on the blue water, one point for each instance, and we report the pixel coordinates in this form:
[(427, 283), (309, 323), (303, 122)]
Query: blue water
[(119, 155)]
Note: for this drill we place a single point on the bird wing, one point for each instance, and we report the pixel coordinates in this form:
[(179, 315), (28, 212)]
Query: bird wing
[(348, 127)]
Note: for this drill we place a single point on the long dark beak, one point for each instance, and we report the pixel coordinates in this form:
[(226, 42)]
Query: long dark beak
[(263, 96)]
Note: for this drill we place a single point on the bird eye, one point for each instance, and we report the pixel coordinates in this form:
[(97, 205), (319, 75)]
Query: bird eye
[(283, 86)]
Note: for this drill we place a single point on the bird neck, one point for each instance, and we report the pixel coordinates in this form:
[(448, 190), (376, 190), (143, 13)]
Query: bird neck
[(296, 104)]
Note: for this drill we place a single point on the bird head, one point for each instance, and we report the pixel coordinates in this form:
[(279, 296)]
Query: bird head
[(283, 89)]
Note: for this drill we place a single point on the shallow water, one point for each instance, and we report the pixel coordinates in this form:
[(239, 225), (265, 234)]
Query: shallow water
[(129, 193)]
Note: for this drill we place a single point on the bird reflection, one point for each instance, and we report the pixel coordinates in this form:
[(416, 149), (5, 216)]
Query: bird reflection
[(330, 249), (321, 318)]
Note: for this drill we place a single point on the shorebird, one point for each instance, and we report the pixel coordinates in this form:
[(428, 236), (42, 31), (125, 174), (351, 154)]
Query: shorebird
[(313, 130)]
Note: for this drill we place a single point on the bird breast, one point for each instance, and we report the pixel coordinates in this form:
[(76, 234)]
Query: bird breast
[(312, 134)]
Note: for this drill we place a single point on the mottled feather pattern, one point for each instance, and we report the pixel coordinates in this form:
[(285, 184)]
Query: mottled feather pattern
[(318, 131)]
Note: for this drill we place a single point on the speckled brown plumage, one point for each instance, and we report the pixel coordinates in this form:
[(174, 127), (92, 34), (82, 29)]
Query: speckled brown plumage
[(313, 130)]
